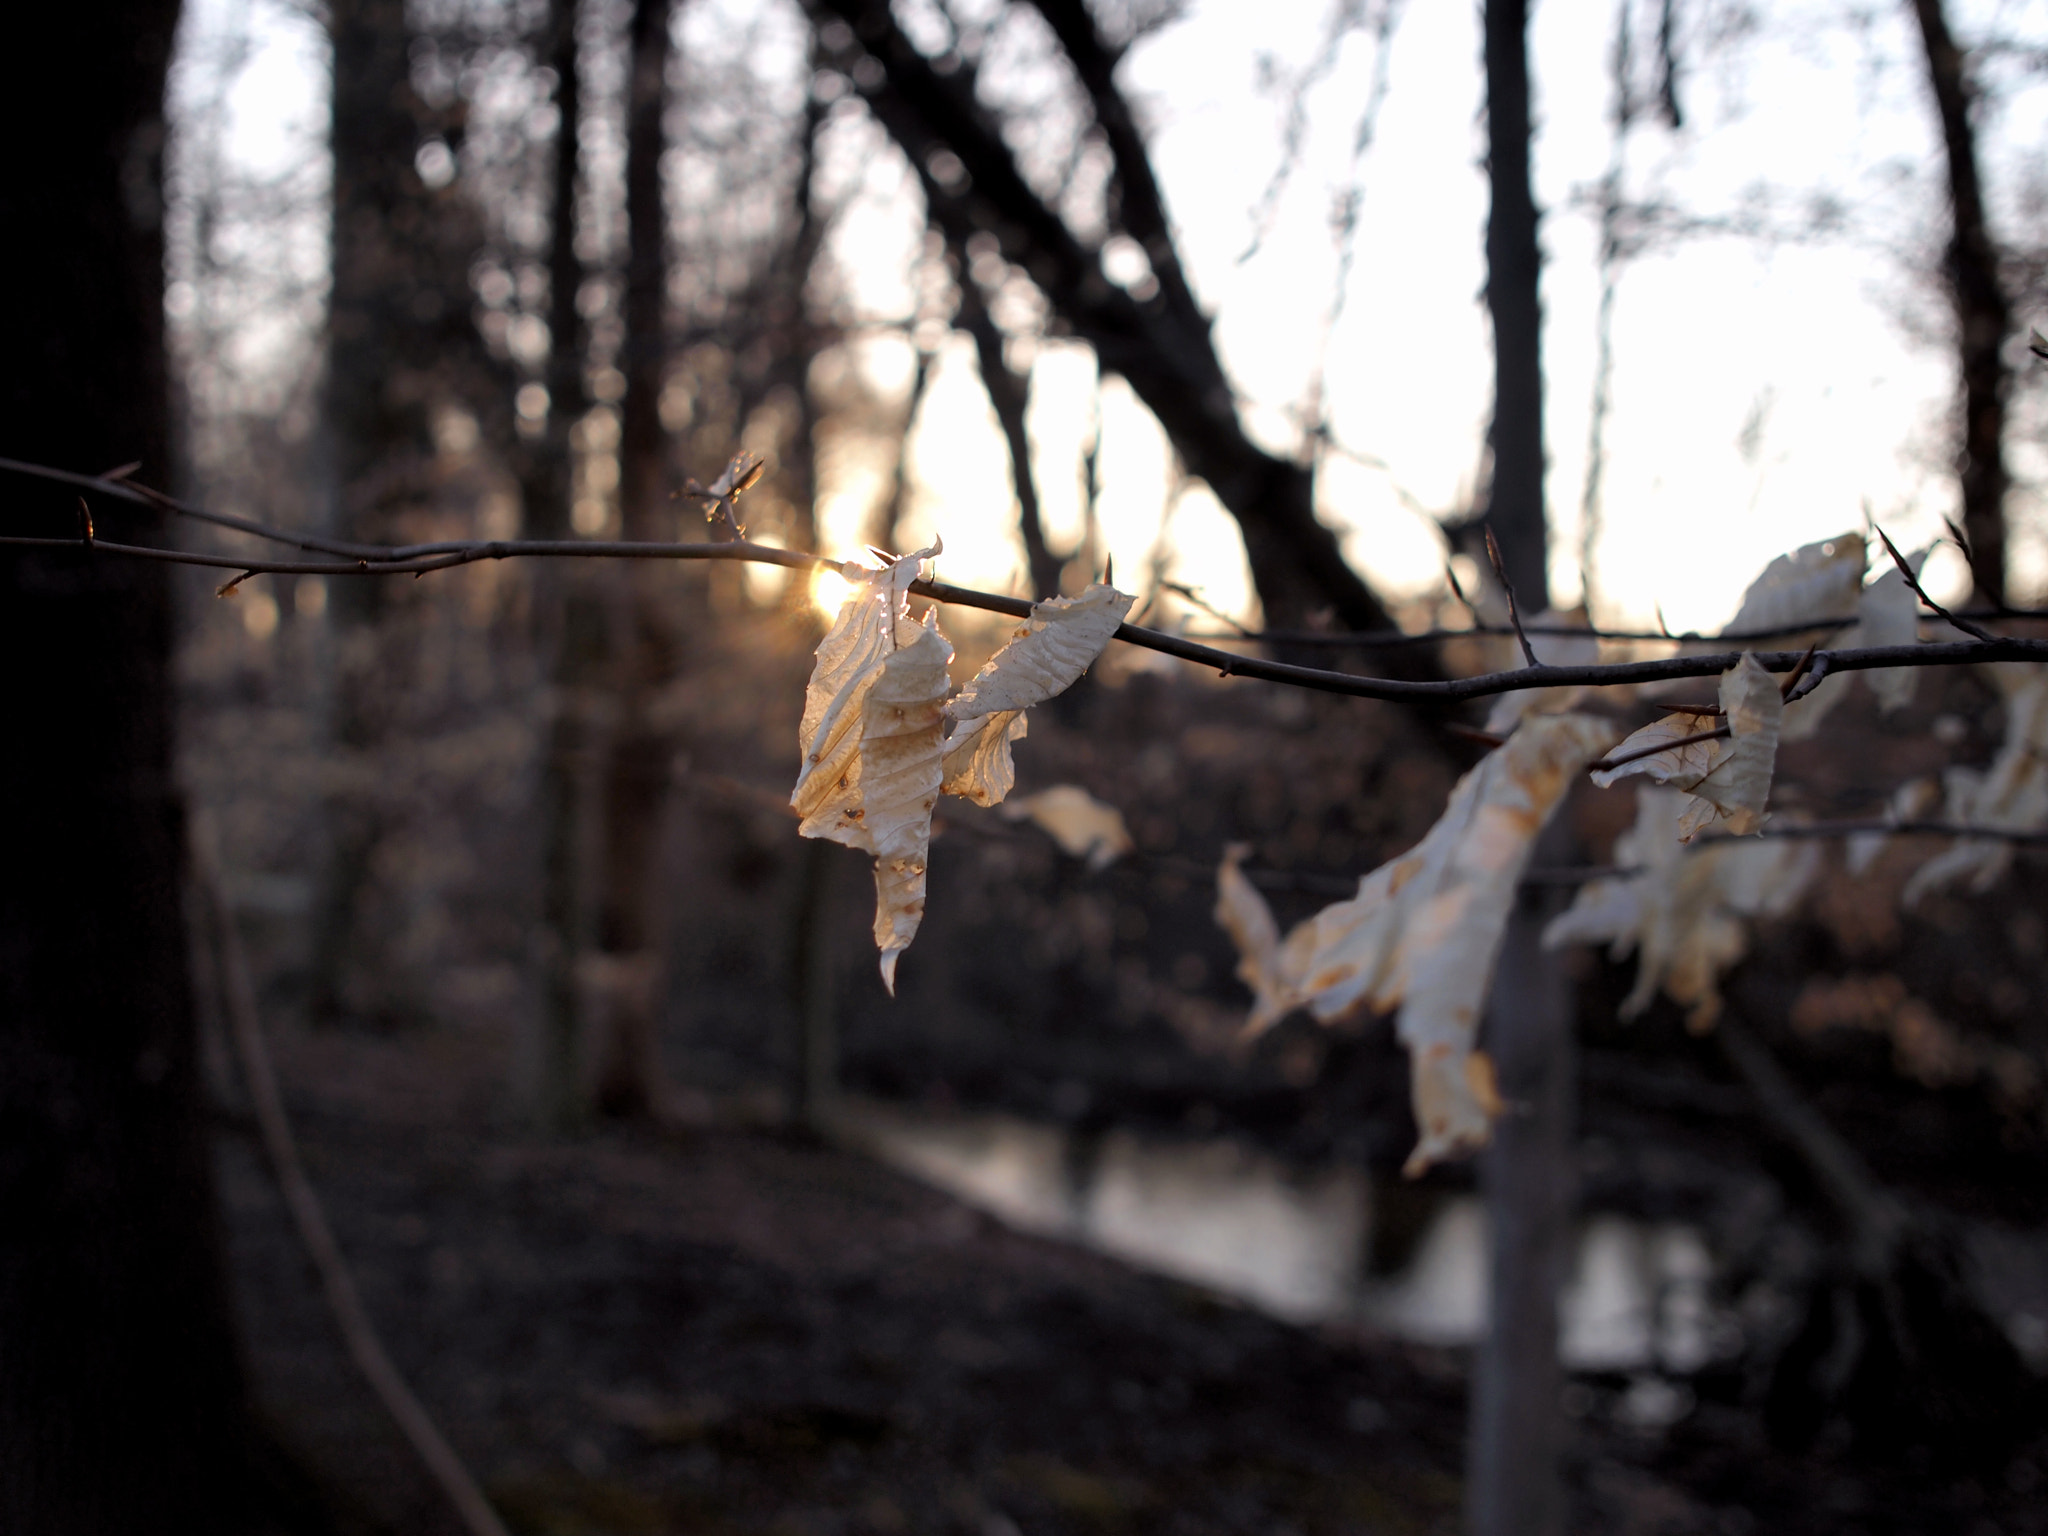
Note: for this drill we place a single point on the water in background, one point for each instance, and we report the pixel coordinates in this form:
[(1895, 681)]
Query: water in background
[(1298, 1243)]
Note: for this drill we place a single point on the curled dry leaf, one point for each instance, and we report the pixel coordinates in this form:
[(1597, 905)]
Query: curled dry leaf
[(870, 736), (1729, 781), (1685, 913), (1082, 825), (2011, 795), (1044, 657), (1423, 932)]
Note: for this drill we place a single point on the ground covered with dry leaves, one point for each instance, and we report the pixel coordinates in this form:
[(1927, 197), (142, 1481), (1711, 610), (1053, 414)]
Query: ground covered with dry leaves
[(742, 1330)]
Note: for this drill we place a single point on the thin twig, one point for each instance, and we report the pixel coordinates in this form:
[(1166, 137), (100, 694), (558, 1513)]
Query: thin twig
[(1920, 592), (310, 1218), (376, 560), (1500, 572)]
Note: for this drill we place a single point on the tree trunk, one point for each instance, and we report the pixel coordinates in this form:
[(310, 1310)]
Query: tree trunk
[(1983, 314), (121, 1401), (1514, 1480), (649, 641), (1011, 397), (398, 333), (570, 621), (1514, 500)]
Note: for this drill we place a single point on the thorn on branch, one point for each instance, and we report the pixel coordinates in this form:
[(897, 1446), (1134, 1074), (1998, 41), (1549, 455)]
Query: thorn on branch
[(228, 589), (1500, 572), (1975, 631), (1451, 575), (1798, 674), (1814, 678), (85, 522), (1486, 739), (121, 472)]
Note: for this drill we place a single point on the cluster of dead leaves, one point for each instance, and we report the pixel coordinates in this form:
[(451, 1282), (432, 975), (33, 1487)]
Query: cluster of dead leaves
[(882, 741), (1424, 931)]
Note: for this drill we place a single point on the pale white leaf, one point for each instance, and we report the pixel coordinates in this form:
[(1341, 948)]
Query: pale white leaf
[(1424, 930), (1889, 614), (1810, 586), (1082, 825), (1045, 654)]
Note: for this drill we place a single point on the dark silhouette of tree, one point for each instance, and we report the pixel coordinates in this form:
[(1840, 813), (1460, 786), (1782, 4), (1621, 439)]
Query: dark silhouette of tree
[(1983, 313), (1159, 342), (648, 636), (121, 1401), (1514, 499)]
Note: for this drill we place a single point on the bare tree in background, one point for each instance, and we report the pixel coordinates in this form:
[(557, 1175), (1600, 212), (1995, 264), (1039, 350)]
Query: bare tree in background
[(648, 638), (1514, 499), (400, 346), (1153, 333), (1983, 313), (569, 615)]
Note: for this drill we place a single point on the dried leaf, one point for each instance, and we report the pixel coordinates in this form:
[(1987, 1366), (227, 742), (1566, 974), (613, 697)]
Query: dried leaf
[(1889, 614), (1045, 654), (2011, 795), (869, 626), (1812, 585), (1242, 913), (1424, 930), (1729, 779), (1082, 825), (899, 780), (1686, 912), (978, 762), (873, 714)]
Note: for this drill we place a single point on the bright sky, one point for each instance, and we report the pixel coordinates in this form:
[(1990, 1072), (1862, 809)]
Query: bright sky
[(1764, 392)]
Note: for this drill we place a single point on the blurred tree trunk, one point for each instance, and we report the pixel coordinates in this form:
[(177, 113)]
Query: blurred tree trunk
[(1514, 264), (121, 1400), (1983, 313), (398, 326), (569, 619), (1514, 1478), (649, 640), (1514, 1483)]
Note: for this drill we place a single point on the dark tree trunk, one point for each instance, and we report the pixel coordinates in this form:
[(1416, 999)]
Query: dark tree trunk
[(1514, 500), (1514, 1484), (1983, 314), (571, 623), (649, 643), (121, 1402)]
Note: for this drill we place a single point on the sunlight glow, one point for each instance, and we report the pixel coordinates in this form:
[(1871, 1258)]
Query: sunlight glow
[(829, 591)]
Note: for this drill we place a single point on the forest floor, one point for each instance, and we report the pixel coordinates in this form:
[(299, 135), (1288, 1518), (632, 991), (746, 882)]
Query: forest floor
[(630, 1332)]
